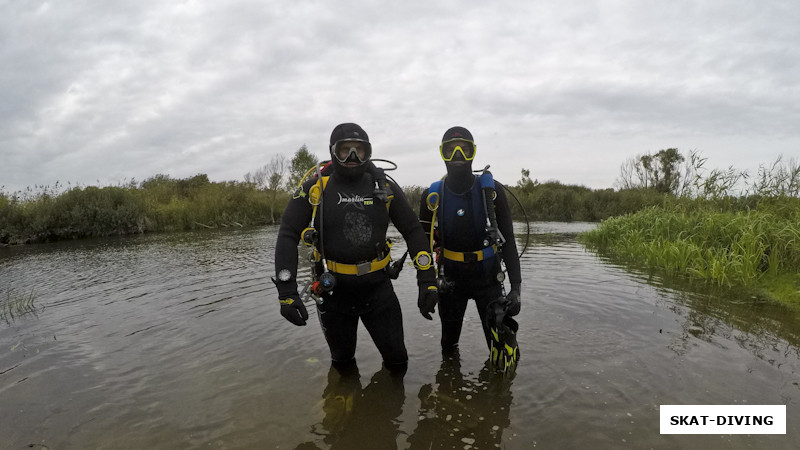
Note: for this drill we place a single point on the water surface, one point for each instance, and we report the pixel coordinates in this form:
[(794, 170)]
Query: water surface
[(175, 341)]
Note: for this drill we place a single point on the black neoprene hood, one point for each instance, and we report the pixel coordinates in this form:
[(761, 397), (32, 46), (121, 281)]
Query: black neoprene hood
[(457, 133), (348, 131), (345, 131)]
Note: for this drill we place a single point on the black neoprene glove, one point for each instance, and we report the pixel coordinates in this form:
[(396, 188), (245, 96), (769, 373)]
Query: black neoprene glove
[(428, 298), (514, 302), (293, 310)]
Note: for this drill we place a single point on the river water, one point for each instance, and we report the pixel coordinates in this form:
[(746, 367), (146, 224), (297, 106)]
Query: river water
[(176, 341)]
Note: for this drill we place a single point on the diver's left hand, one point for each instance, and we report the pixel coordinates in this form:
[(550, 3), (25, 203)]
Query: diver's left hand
[(514, 303), (428, 298)]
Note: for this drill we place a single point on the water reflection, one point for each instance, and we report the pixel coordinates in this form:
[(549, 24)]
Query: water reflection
[(357, 417), (763, 328), (457, 412), (715, 314)]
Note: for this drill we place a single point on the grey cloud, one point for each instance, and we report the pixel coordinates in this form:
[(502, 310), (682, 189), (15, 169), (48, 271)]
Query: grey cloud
[(130, 89)]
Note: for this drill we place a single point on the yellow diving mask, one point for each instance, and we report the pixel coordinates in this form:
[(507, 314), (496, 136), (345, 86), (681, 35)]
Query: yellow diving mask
[(448, 149)]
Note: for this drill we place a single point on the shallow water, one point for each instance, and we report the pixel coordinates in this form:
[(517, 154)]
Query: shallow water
[(175, 341)]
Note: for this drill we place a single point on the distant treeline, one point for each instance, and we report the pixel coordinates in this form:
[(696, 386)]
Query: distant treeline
[(162, 203), (159, 203), (556, 202)]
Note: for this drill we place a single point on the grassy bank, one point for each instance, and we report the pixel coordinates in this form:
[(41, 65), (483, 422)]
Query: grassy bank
[(753, 243), (157, 204)]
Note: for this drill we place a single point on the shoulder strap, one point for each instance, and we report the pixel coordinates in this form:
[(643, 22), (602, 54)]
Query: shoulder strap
[(487, 180), (436, 186)]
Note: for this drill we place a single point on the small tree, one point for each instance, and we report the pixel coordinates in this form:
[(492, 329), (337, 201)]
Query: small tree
[(661, 172), (301, 162), (668, 173), (275, 173), (525, 184), (636, 173), (257, 178), (270, 178)]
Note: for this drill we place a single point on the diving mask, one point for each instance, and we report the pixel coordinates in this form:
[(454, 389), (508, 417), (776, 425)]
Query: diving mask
[(341, 150), (448, 149)]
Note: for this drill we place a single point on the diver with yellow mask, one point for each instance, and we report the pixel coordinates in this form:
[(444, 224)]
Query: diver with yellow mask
[(467, 219)]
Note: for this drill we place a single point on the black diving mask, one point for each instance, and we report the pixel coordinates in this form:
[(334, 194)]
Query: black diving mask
[(344, 149)]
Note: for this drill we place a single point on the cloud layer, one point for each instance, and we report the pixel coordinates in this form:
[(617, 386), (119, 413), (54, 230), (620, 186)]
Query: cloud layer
[(103, 92)]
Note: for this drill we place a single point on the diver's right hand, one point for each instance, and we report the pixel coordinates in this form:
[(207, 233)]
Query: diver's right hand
[(513, 302), (293, 310)]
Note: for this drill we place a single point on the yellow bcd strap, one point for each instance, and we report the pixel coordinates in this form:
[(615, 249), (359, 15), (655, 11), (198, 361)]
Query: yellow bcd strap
[(478, 255)]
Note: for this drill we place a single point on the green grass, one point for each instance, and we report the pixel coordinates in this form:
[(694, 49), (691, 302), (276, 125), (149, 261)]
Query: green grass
[(785, 287), (757, 249)]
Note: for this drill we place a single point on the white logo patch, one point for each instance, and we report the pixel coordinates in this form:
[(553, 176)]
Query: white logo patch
[(355, 200)]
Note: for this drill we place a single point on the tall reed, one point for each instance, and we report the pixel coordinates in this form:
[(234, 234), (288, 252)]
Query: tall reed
[(701, 242)]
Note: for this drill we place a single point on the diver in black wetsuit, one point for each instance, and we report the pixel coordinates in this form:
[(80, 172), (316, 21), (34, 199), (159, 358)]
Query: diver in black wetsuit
[(344, 216), (468, 262)]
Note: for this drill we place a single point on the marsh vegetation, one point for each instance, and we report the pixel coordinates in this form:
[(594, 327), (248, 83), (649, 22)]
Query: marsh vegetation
[(705, 232), (159, 203)]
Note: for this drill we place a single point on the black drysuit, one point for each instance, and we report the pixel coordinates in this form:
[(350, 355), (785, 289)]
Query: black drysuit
[(354, 224)]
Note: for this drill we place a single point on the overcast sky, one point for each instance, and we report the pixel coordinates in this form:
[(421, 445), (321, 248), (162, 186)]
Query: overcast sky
[(108, 91)]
